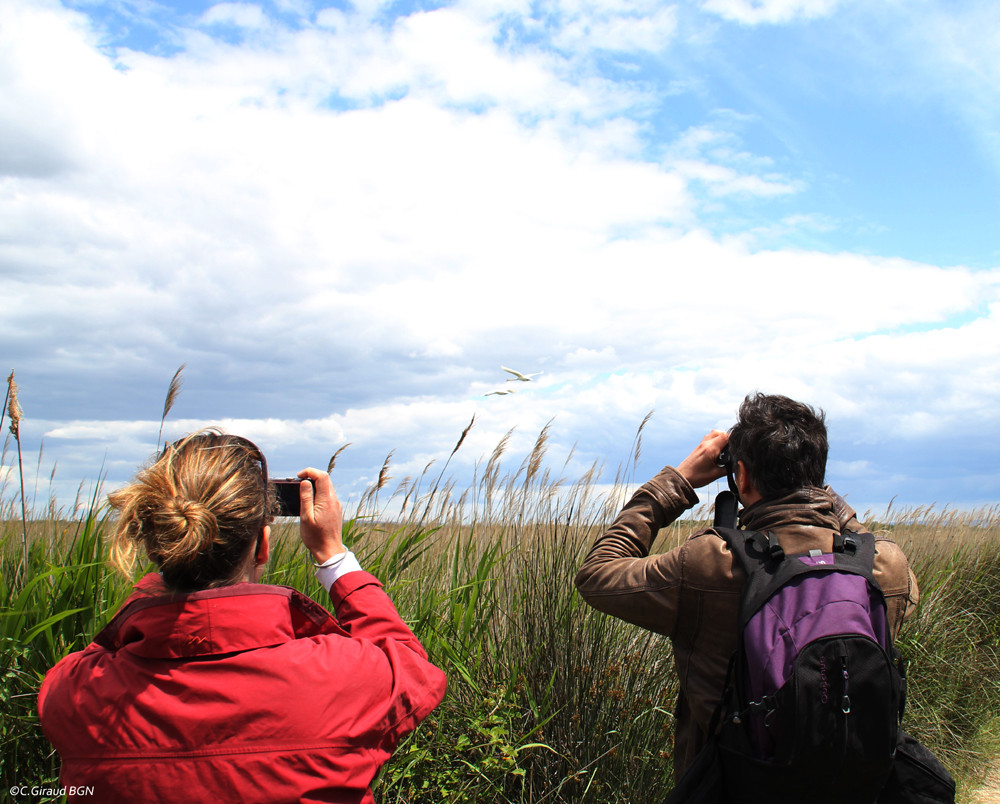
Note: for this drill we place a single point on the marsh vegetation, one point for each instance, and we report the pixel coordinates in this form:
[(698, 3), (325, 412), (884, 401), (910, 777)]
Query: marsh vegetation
[(548, 700)]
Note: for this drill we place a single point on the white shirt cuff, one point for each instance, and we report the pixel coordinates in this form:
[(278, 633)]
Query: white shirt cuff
[(333, 568)]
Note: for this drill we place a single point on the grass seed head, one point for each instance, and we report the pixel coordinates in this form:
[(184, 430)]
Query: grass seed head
[(14, 407), (333, 460)]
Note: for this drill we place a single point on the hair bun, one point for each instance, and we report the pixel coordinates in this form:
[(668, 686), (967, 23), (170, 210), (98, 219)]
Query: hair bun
[(196, 515), (187, 528)]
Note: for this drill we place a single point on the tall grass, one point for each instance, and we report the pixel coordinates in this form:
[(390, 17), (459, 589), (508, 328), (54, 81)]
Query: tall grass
[(68, 595), (548, 700), (953, 642)]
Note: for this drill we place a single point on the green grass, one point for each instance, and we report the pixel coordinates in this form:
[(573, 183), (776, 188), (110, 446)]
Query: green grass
[(548, 700)]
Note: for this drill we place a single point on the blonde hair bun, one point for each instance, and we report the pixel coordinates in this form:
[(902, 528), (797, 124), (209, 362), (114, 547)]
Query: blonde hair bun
[(187, 527)]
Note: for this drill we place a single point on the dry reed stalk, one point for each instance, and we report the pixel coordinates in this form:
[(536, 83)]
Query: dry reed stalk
[(465, 432), (333, 459), (437, 483), (492, 474), (445, 503), (493, 464), (52, 497), (537, 454), (637, 443), (408, 486), (78, 500), (383, 475), (572, 454), (173, 391), (38, 471), (15, 411), (373, 490), (460, 505), (370, 495)]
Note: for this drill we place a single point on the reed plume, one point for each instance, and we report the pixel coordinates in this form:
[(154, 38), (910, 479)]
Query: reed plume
[(637, 443), (461, 438), (173, 390), (13, 405), (491, 474), (383, 475), (333, 459), (15, 411), (537, 454), (437, 483), (371, 493)]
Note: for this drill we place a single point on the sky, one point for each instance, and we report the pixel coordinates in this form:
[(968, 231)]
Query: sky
[(344, 218)]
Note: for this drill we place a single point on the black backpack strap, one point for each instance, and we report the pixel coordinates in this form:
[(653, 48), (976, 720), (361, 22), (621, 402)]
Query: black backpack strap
[(726, 510), (846, 542), (747, 547), (769, 542), (752, 550)]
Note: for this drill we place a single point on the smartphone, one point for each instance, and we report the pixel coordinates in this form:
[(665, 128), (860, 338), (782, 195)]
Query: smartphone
[(286, 489)]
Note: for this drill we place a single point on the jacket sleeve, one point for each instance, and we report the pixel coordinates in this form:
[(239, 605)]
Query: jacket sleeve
[(619, 577), (366, 613)]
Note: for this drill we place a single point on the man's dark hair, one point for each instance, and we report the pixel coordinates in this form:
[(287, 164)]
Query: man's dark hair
[(781, 442)]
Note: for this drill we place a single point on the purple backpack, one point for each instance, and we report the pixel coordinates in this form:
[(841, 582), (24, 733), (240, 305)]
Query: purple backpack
[(816, 691)]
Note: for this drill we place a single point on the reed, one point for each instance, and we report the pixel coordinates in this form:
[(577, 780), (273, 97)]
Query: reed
[(12, 407), (173, 391)]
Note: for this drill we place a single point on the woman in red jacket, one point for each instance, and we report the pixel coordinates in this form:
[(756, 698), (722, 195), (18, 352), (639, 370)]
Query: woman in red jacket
[(207, 686)]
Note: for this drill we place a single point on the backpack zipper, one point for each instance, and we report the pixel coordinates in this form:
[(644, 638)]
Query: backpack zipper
[(845, 701)]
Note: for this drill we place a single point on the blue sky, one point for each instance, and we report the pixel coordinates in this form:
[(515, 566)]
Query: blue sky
[(345, 217)]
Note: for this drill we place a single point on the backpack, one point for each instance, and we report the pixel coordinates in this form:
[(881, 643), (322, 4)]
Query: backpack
[(815, 692), (815, 695)]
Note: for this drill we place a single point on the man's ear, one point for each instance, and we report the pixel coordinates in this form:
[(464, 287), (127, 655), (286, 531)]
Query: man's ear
[(263, 547), (748, 493)]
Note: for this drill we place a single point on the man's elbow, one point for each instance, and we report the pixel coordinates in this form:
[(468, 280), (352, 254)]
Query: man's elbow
[(585, 582)]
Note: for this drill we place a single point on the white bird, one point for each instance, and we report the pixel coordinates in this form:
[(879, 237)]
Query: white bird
[(518, 376), (502, 392)]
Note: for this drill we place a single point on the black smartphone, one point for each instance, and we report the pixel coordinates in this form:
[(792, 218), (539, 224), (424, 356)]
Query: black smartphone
[(286, 489)]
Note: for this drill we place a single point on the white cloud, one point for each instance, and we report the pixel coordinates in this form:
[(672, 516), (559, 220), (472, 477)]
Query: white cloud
[(722, 180), (851, 468), (453, 56), (242, 15), (640, 26), (755, 12), (959, 44), (584, 358), (49, 68)]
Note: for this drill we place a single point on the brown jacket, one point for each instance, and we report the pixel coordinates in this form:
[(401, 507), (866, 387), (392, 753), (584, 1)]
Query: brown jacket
[(691, 593)]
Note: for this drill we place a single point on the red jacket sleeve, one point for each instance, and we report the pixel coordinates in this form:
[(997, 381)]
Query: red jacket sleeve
[(365, 611)]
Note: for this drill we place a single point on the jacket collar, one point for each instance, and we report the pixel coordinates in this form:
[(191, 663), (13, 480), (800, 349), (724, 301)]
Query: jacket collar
[(808, 507), (155, 623)]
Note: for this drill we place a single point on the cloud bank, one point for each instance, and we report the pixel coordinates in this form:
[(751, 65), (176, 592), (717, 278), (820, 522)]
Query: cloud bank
[(345, 219)]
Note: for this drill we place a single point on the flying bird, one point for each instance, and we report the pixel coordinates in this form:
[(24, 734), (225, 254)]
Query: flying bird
[(518, 376), (501, 392)]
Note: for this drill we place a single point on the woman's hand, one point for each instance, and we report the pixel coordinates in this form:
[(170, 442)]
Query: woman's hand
[(699, 468), (321, 518)]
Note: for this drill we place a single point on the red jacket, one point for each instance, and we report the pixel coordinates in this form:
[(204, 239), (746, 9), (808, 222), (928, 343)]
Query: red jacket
[(245, 693)]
